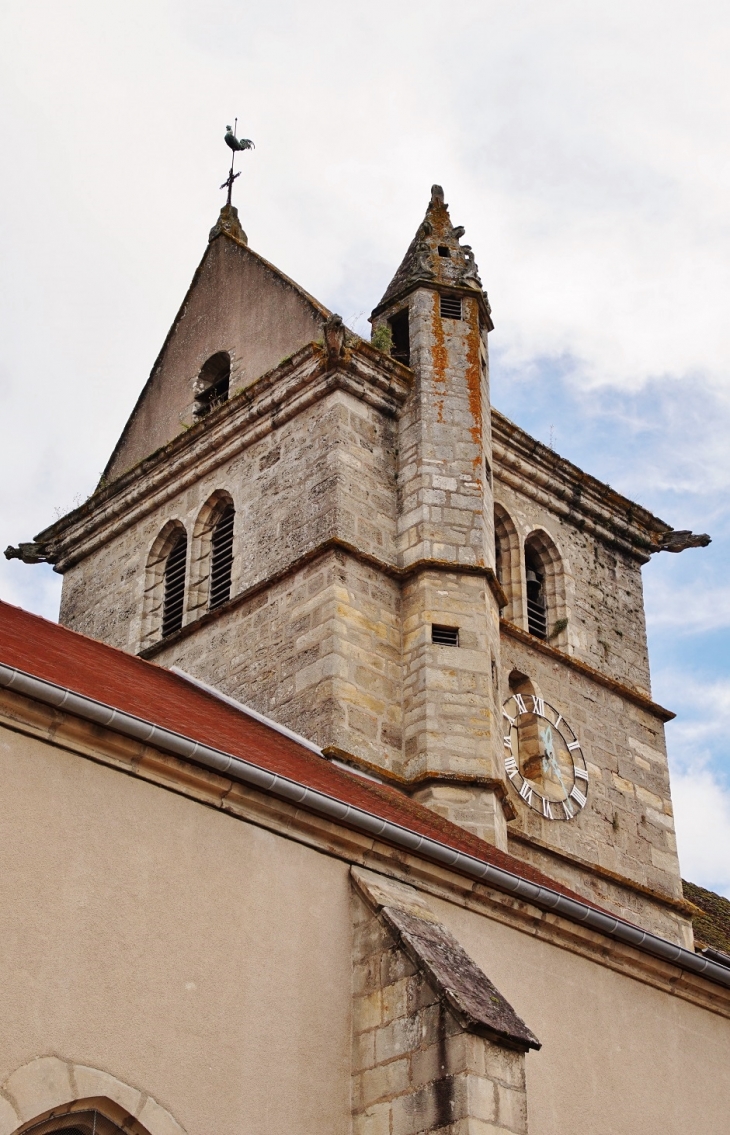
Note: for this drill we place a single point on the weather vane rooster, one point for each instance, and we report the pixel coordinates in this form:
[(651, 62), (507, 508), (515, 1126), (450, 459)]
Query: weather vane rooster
[(235, 145)]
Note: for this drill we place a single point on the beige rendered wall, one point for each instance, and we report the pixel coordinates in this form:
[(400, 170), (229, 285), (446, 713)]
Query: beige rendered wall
[(199, 958), (208, 962), (237, 303), (618, 1057)]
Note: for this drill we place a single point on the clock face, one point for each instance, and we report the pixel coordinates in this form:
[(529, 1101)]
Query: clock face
[(543, 758)]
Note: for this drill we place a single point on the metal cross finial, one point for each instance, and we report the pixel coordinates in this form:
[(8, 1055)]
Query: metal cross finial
[(235, 144), (229, 182)]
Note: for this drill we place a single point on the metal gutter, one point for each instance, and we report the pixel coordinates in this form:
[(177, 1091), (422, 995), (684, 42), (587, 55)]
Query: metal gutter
[(327, 806)]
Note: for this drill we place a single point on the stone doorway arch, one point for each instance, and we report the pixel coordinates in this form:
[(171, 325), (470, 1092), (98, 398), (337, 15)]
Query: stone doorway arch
[(49, 1095)]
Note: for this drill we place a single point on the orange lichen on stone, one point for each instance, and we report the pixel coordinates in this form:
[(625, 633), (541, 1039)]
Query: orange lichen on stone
[(438, 351), (474, 386)]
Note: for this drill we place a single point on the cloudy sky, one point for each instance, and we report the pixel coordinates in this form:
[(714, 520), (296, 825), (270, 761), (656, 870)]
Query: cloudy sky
[(583, 145)]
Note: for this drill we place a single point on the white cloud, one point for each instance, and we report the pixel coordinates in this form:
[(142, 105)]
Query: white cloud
[(702, 819), (688, 609), (699, 755)]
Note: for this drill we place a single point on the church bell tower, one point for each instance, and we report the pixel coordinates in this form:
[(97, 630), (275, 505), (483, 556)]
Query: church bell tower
[(304, 520)]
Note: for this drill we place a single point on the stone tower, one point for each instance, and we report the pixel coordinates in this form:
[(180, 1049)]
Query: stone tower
[(439, 319), (347, 537), (363, 607)]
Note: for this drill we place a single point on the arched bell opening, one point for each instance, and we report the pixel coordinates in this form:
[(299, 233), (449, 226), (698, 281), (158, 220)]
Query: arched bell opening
[(544, 589), (212, 385)]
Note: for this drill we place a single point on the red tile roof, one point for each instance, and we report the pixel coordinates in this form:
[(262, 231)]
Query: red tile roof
[(61, 656)]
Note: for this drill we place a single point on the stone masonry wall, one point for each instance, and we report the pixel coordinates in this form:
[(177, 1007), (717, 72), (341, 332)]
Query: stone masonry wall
[(414, 1067), (627, 825), (329, 471), (603, 592), (318, 651), (445, 514)]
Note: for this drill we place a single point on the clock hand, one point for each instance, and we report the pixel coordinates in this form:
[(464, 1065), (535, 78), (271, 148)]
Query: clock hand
[(556, 768)]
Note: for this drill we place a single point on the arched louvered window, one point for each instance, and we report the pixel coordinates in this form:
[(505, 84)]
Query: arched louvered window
[(173, 603), (221, 557)]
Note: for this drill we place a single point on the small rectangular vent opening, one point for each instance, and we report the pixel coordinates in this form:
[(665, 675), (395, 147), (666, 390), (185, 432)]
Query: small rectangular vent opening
[(443, 250), (445, 636), (451, 307)]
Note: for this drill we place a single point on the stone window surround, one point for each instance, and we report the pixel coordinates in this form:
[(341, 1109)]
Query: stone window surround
[(201, 551), (154, 588), (197, 569), (514, 581)]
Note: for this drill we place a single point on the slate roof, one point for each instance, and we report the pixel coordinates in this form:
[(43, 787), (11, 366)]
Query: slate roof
[(712, 925), (132, 685)]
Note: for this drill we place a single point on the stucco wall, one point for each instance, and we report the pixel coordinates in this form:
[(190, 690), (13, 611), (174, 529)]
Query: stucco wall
[(237, 303), (618, 1057), (201, 959), (208, 962)]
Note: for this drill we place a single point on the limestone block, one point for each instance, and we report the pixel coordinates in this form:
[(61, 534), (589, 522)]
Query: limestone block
[(363, 1050), (428, 1064), (512, 1109), (394, 965), (375, 1120), (397, 999), (39, 1086), (397, 1039), (383, 1082), (477, 1098), (9, 1118), (158, 1120), (650, 799), (92, 1082), (368, 1011)]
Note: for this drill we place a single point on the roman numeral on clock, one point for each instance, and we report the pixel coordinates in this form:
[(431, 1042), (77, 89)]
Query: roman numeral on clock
[(580, 772), (508, 742), (510, 719), (521, 707), (546, 811), (538, 706), (577, 795), (573, 745), (568, 809), (526, 792), (510, 765)]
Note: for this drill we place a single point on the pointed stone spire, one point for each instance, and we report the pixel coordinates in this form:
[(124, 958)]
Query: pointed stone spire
[(436, 258), (229, 224)]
